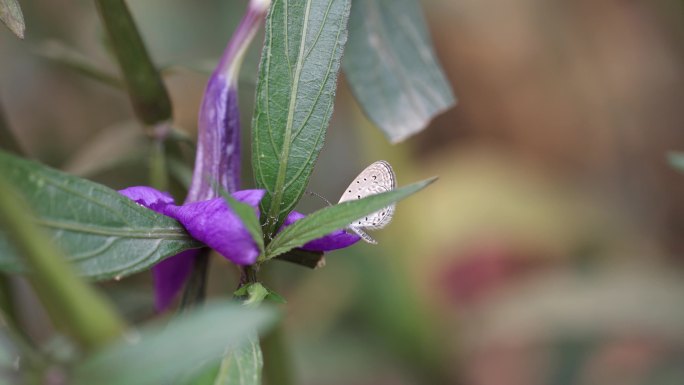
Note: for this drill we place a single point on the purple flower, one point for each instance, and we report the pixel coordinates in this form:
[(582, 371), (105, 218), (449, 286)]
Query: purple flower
[(216, 225), (338, 239), (205, 215), (217, 166)]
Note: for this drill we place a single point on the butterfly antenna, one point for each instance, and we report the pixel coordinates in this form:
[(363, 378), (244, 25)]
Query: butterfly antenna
[(319, 196)]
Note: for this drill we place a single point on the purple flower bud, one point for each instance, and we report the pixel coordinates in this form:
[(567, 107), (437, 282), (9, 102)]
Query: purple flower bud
[(217, 164)]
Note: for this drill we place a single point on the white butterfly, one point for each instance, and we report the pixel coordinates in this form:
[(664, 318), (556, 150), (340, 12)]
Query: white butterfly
[(375, 179)]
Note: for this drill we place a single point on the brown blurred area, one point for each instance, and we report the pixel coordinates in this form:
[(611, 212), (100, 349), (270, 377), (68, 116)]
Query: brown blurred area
[(567, 110), (588, 90), (548, 252)]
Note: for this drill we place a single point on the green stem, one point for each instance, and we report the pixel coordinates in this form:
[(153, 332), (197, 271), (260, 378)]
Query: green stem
[(248, 274), (73, 305), (195, 289), (144, 83), (159, 174)]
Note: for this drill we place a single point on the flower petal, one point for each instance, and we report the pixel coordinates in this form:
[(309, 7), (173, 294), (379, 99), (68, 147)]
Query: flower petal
[(217, 162), (149, 197), (170, 276), (338, 239), (250, 197), (215, 224)]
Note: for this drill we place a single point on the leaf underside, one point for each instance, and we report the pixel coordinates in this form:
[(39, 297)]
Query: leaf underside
[(335, 217), (103, 233), (295, 93), (191, 343), (392, 69)]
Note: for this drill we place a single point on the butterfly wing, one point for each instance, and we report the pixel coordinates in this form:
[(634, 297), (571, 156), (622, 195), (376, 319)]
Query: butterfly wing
[(375, 179)]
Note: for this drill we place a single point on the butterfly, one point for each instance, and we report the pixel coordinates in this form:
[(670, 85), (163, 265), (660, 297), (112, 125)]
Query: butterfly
[(374, 179)]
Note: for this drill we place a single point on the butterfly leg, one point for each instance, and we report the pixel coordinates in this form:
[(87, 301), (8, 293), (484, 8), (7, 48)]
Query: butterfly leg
[(363, 235)]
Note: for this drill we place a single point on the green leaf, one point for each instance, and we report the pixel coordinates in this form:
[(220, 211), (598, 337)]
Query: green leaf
[(255, 293), (103, 233), (336, 217), (295, 94), (74, 307), (242, 365), (392, 69), (676, 160), (148, 93), (275, 297), (10, 14), (247, 216), (189, 342), (252, 293)]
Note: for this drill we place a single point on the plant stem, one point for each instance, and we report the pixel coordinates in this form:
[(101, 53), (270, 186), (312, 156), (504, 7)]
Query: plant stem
[(248, 274), (195, 289), (159, 174)]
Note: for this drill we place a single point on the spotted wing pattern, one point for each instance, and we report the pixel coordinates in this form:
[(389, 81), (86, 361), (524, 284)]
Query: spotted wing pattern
[(375, 179)]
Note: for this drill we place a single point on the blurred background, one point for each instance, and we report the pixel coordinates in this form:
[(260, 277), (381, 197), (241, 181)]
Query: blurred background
[(549, 251)]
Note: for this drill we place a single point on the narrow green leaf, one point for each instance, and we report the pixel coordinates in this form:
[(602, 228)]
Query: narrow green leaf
[(74, 306), (158, 169), (242, 365), (295, 94), (10, 14), (336, 217), (67, 57), (148, 93), (392, 69), (248, 216), (160, 354), (676, 160), (103, 233)]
